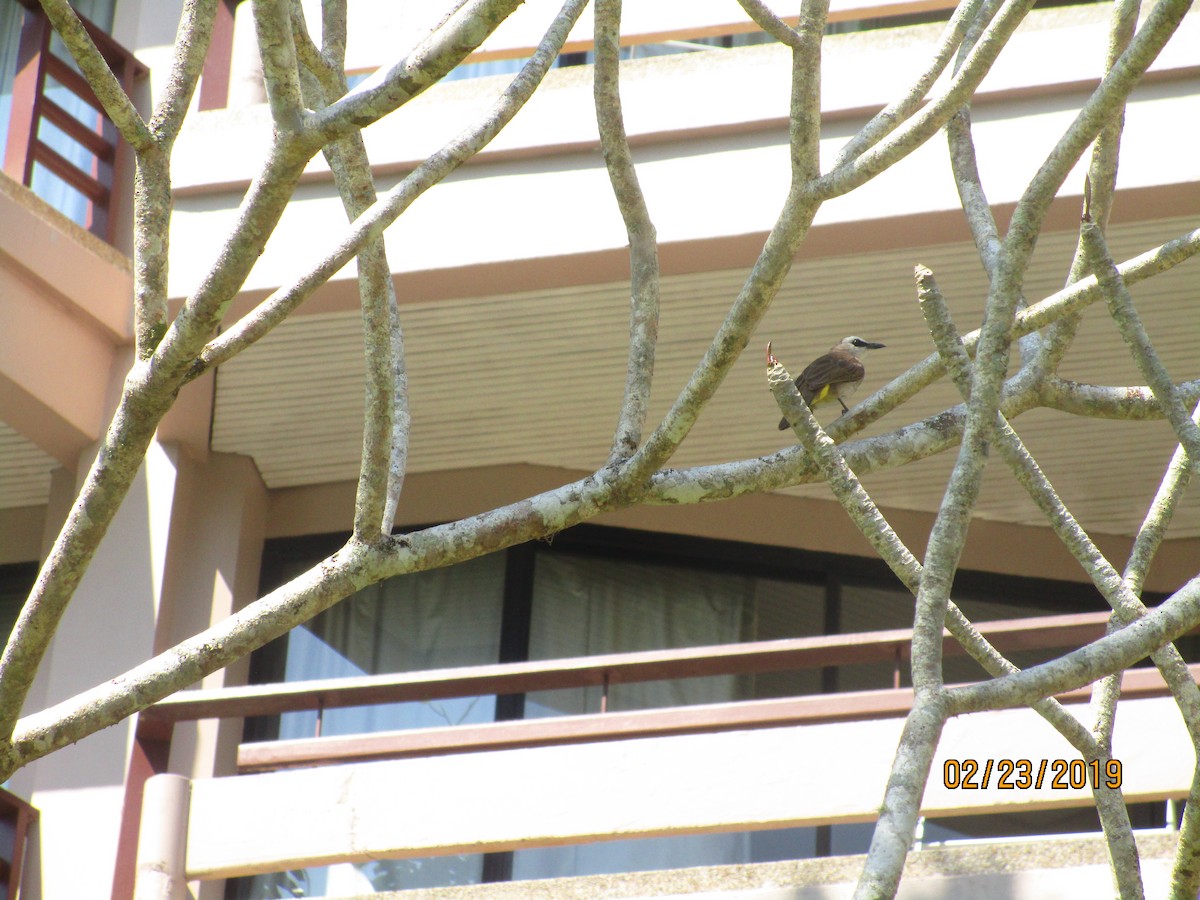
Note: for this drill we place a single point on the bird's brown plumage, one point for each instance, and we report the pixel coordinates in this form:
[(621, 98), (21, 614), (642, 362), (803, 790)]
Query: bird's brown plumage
[(833, 375)]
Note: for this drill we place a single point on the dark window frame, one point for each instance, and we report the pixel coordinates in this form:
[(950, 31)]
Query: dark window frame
[(832, 571)]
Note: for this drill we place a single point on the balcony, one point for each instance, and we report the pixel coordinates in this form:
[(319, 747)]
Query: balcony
[(65, 284), (60, 143), (778, 763)]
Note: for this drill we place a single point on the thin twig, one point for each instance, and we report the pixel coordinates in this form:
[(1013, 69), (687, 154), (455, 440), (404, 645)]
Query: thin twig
[(1129, 323), (898, 111), (764, 17), (275, 308), (117, 105), (643, 241)]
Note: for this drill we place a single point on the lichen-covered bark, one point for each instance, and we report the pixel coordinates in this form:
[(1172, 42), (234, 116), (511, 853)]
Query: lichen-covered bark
[(313, 112)]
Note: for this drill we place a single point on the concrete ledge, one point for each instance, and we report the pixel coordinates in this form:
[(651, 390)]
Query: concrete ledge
[(1042, 868)]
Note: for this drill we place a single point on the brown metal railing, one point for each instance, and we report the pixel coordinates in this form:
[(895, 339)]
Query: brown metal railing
[(38, 67), (155, 725), (1046, 632)]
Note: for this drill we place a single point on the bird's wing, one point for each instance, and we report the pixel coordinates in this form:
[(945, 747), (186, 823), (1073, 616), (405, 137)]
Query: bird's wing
[(829, 370)]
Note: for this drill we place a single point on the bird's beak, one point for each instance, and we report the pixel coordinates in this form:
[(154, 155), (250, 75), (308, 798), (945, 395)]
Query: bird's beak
[(874, 346)]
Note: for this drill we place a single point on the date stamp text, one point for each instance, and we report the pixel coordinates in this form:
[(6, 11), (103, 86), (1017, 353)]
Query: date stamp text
[(1025, 774)]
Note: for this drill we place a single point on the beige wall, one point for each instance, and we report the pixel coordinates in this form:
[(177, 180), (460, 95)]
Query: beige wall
[(696, 119), (729, 781), (183, 551)]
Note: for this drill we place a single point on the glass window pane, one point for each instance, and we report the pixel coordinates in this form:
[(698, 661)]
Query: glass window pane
[(584, 606), (444, 618), (786, 609), (866, 608)]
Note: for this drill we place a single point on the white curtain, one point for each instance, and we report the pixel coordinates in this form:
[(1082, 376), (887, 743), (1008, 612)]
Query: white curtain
[(452, 617), (443, 618), (583, 607)]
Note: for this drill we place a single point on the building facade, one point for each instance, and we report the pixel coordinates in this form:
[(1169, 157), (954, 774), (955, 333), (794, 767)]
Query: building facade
[(672, 698)]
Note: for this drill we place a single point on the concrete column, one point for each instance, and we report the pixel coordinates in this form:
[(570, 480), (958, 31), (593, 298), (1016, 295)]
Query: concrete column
[(214, 574), (108, 628), (162, 839), (246, 86), (182, 552)]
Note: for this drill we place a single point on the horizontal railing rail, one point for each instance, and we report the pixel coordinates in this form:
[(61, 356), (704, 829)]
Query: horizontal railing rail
[(604, 671), (156, 724), (666, 21), (740, 715)]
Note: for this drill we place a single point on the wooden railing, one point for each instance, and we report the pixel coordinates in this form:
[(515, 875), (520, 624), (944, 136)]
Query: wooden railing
[(1047, 632), (37, 67), (156, 724)]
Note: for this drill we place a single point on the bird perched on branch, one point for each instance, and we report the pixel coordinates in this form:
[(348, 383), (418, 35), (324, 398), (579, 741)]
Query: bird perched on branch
[(833, 375)]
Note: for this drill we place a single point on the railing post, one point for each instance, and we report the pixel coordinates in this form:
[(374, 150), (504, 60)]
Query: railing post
[(162, 841), (149, 757), (26, 97)]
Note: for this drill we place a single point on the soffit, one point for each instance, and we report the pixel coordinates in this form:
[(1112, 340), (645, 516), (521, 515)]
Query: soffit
[(24, 470), (537, 378)]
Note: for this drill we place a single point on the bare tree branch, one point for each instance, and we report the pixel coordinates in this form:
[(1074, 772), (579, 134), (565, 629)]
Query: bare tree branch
[(1102, 181), (192, 41), (281, 74), (975, 13), (386, 400), (1118, 650), (1128, 402), (773, 262), (874, 526), (902, 800), (1129, 323), (460, 32), (1114, 814), (923, 125), (764, 18), (152, 203), (255, 324), (117, 105), (643, 240)]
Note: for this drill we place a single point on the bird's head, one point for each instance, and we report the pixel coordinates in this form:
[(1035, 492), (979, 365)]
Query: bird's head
[(857, 346)]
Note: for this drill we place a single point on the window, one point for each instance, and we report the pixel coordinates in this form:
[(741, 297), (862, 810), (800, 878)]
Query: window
[(591, 591), (16, 580)]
